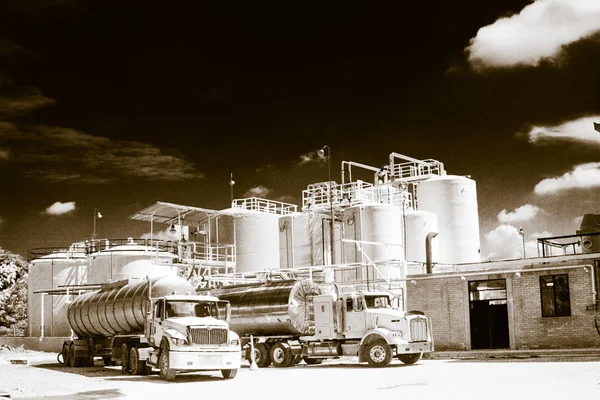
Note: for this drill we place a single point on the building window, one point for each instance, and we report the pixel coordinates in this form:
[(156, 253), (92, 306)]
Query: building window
[(555, 295)]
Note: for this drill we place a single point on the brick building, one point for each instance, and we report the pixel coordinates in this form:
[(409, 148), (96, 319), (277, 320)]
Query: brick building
[(538, 303)]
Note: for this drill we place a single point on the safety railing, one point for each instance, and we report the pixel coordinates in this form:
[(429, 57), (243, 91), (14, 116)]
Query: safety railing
[(316, 196), (265, 205), (207, 252), (417, 169)]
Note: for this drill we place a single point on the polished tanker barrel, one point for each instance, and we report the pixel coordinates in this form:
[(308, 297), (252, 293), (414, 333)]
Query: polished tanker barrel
[(120, 309), (273, 308)]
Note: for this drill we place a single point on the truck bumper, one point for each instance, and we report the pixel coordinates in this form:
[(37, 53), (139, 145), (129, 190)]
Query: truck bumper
[(188, 360), (415, 347)]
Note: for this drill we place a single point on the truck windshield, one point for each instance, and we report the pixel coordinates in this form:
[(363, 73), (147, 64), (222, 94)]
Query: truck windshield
[(380, 301), (177, 309)]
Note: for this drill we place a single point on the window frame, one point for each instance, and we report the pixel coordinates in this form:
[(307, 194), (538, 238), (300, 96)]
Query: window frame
[(554, 278)]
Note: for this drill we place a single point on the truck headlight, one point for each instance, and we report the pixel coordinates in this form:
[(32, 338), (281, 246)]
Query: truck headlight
[(180, 342), (234, 341)]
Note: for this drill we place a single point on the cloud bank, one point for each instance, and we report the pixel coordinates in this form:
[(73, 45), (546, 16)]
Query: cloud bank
[(579, 130), (538, 32), (583, 176), (59, 208), (257, 191), (526, 212), (56, 154)]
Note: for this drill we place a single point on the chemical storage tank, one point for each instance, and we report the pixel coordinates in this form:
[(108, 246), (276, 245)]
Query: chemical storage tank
[(301, 240), (51, 271), (129, 260), (256, 236), (273, 308), (453, 199), (418, 225), (589, 230), (120, 309)]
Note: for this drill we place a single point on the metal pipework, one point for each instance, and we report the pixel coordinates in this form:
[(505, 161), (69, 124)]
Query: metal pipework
[(428, 255), (364, 166)]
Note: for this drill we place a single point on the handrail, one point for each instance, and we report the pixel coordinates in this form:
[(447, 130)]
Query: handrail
[(265, 205)]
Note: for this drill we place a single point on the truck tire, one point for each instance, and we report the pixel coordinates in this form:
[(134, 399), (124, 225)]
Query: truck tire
[(229, 373), (163, 362), (74, 362), (378, 353), (137, 366), (125, 359), (261, 355), (281, 355), (65, 354), (312, 361), (409, 358)]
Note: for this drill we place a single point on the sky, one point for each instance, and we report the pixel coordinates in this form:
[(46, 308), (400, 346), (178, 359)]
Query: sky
[(113, 107)]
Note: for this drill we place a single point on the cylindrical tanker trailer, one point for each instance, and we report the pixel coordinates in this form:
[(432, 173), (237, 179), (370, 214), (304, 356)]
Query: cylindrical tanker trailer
[(160, 322), (289, 320)]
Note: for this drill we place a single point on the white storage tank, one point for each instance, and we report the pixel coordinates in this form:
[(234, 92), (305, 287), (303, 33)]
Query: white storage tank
[(418, 225), (453, 199), (129, 260), (301, 240), (256, 240), (51, 271)]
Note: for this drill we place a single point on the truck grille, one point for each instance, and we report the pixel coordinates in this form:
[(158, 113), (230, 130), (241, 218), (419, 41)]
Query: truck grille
[(418, 329), (208, 335)]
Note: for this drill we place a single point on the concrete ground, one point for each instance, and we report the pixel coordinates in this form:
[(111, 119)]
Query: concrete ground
[(509, 378)]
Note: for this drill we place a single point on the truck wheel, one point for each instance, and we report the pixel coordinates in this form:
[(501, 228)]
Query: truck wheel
[(281, 354), (229, 373), (378, 353), (163, 363), (261, 355), (312, 361), (138, 367), (409, 358), (74, 362), (297, 359), (125, 359)]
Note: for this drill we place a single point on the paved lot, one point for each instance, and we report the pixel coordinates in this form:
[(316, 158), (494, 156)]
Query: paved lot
[(564, 378)]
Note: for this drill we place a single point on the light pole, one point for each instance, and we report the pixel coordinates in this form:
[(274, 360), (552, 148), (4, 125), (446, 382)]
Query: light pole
[(96, 215), (522, 233), (322, 153)]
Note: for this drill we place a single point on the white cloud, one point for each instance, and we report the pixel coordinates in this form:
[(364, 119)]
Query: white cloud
[(526, 212), (311, 156), (59, 208), (504, 242), (257, 191), (583, 176), (539, 31), (581, 130)]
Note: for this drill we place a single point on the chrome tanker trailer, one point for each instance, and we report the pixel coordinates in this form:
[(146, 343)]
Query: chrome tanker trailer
[(291, 320), (159, 323)]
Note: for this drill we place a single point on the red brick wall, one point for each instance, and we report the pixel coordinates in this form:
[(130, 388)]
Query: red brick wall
[(445, 301)]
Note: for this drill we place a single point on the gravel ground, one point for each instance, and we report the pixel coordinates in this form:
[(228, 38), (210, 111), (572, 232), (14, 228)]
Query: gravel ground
[(561, 378)]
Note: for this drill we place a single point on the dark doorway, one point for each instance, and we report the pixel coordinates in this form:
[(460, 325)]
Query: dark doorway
[(489, 314)]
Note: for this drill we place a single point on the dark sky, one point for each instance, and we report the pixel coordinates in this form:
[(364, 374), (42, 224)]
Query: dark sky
[(117, 107)]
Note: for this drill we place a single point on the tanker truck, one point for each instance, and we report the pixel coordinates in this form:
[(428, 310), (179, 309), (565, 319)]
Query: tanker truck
[(159, 322), (287, 321)]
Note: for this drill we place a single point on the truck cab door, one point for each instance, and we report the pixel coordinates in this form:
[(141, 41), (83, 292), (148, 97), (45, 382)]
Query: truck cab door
[(355, 317), (158, 317)]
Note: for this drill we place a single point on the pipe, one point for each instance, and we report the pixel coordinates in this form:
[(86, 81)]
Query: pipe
[(368, 167), (428, 255), (595, 299)]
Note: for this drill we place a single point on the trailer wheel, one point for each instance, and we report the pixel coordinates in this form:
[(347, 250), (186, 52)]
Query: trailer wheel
[(229, 373), (312, 361), (74, 362), (165, 371), (281, 354), (125, 359), (378, 353), (409, 358), (261, 355), (138, 367), (65, 354)]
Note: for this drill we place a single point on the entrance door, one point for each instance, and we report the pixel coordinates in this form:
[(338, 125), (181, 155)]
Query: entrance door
[(488, 314)]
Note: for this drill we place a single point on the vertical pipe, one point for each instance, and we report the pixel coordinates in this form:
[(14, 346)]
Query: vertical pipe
[(428, 255), (42, 317)]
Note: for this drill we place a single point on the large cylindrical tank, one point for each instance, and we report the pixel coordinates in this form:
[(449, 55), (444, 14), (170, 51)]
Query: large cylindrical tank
[(378, 223), (129, 261), (120, 310), (418, 225), (274, 308), (301, 240), (453, 199), (589, 230), (52, 271), (256, 239)]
